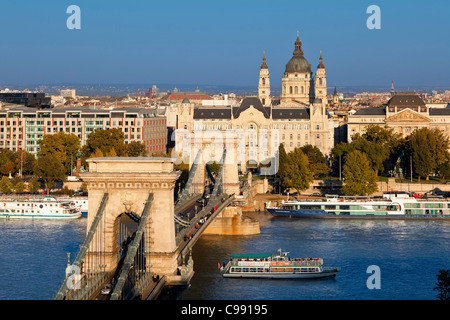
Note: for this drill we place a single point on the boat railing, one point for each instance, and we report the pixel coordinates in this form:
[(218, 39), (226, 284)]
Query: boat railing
[(291, 261)]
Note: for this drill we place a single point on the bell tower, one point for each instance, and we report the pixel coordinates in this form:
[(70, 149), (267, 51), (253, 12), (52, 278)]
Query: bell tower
[(264, 84), (321, 82)]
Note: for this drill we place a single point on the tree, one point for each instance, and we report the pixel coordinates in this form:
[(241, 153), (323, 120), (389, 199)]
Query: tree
[(33, 185), (443, 284), (25, 161), (282, 164), (136, 149), (429, 149), (338, 154), (360, 179), (298, 176), (50, 169), (377, 143), (5, 185), (19, 186), (62, 146), (444, 170), (7, 168), (317, 161), (7, 161), (105, 140)]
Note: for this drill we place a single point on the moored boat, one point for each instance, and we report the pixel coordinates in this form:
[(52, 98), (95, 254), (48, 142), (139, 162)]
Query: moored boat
[(42, 208), (279, 266), (393, 205)]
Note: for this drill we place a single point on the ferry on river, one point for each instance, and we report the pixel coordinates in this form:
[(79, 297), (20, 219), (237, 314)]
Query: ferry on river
[(279, 266), (44, 208), (393, 205)]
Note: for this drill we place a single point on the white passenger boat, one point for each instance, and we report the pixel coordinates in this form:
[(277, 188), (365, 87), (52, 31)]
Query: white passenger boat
[(393, 205), (278, 266), (81, 203), (43, 208)]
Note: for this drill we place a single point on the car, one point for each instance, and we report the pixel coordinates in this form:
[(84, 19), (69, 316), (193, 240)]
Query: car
[(107, 289)]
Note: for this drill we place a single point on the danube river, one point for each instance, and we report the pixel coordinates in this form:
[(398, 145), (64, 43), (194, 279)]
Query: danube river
[(409, 255)]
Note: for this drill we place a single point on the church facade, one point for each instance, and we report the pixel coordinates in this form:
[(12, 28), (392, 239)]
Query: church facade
[(258, 126)]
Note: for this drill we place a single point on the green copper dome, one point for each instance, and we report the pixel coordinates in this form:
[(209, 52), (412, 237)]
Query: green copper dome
[(298, 63)]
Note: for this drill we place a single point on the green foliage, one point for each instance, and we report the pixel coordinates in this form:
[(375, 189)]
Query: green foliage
[(297, 174), (443, 285), (7, 161), (136, 149), (105, 140), (377, 143), (282, 163), (62, 146), (214, 167), (19, 186), (317, 161), (444, 170), (33, 185), (360, 179), (5, 185), (50, 169), (429, 150)]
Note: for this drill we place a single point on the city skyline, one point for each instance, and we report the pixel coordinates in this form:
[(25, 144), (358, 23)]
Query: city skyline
[(222, 43)]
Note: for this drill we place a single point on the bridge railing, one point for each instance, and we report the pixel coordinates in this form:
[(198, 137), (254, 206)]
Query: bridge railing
[(67, 289), (185, 193), (210, 211), (140, 272)]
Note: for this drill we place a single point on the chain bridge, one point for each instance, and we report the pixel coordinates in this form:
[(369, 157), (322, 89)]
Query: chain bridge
[(139, 239)]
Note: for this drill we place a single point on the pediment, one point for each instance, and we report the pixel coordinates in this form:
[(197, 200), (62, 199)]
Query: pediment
[(407, 115)]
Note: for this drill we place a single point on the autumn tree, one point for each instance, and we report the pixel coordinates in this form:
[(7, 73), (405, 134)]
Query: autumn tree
[(105, 140), (5, 185), (63, 146), (50, 169), (7, 162), (136, 149), (33, 185), (359, 177)]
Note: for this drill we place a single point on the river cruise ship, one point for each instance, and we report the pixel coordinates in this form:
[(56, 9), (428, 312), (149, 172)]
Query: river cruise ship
[(393, 205), (279, 266), (43, 208)]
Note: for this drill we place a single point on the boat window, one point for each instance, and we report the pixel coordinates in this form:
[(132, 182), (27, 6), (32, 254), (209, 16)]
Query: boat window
[(310, 207)]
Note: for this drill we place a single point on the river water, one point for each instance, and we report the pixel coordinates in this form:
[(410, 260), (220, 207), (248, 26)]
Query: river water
[(409, 255)]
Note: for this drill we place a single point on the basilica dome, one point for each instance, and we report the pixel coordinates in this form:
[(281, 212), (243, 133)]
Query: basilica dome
[(298, 63)]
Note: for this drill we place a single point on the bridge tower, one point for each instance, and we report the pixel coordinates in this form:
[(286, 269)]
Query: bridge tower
[(128, 182)]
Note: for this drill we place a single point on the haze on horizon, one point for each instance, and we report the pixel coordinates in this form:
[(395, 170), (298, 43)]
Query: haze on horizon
[(222, 42)]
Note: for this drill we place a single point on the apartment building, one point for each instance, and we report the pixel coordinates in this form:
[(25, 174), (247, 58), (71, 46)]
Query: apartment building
[(22, 128)]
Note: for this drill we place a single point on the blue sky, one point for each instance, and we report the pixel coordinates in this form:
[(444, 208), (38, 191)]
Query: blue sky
[(222, 42)]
